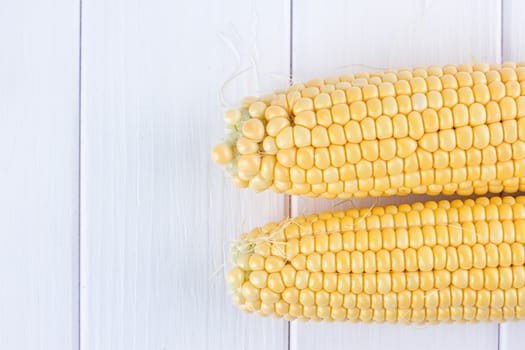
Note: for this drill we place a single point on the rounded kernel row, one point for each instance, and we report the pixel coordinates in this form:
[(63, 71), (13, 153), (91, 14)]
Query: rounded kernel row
[(407, 316)]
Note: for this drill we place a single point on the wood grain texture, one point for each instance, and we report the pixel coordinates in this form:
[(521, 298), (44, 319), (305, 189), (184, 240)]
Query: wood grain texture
[(513, 36), (39, 174), (387, 336), (351, 36), (357, 36), (512, 335), (157, 214)]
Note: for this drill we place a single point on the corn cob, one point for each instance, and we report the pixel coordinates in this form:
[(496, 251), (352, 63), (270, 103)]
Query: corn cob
[(436, 130), (426, 262)]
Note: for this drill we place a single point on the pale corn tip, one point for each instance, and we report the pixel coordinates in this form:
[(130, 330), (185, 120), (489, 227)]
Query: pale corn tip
[(232, 116), (222, 153)]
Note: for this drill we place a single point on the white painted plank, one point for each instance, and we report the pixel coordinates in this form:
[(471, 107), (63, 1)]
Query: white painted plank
[(39, 174), (343, 36), (392, 34), (157, 214), (512, 335), (387, 336), (513, 30)]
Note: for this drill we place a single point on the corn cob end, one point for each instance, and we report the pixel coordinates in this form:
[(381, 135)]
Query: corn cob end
[(245, 143)]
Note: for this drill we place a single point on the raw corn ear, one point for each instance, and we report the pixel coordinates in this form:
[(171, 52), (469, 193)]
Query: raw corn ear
[(460, 260), (435, 130)]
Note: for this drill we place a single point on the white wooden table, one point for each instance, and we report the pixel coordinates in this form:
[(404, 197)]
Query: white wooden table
[(114, 223)]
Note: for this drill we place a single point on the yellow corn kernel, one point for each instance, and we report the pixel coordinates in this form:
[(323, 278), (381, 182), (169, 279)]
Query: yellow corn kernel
[(275, 112), (324, 117), (253, 129)]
